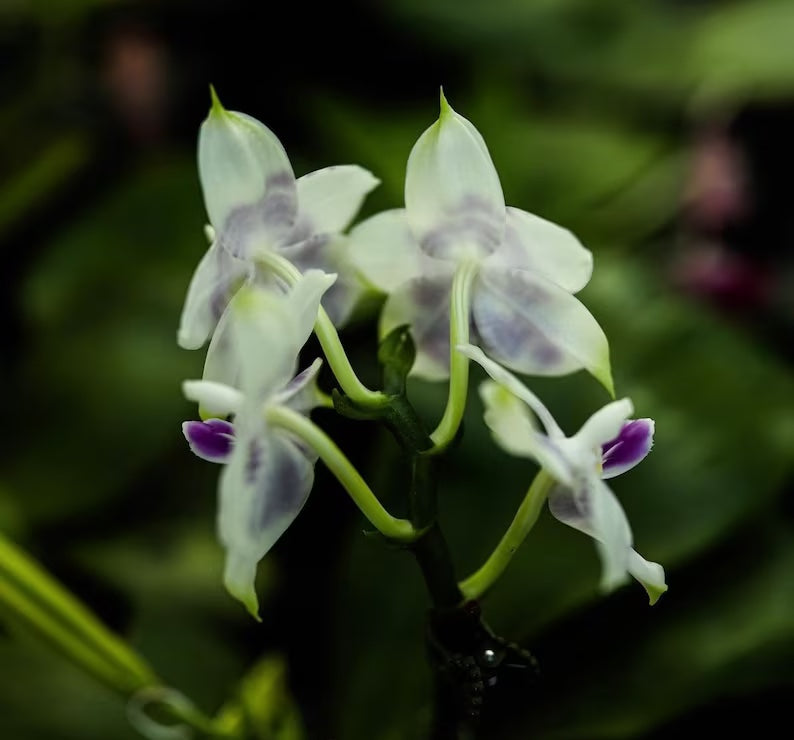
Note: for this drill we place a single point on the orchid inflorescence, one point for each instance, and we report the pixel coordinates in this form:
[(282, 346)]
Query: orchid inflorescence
[(465, 277)]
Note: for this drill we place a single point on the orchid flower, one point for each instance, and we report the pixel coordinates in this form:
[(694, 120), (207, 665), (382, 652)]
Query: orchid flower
[(256, 207), (505, 276), (268, 473), (606, 445)]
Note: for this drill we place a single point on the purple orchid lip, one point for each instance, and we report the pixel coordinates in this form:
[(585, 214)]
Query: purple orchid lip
[(627, 449), (210, 440)]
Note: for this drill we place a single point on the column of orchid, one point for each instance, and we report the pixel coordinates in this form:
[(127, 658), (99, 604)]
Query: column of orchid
[(471, 278)]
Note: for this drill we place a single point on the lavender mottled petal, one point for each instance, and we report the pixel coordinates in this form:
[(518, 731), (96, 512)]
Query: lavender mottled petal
[(210, 440), (627, 449)]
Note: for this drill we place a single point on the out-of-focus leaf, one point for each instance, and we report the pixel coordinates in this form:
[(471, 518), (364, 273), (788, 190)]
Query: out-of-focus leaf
[(103, 370), (49, 170), (742, 51)]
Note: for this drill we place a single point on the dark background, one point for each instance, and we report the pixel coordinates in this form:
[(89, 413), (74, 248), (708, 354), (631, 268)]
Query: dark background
[(660, 132)]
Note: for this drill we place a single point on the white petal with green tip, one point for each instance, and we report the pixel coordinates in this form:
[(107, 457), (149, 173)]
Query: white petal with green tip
[(263, 488), (248, 184), (649, 574), (453, 196)]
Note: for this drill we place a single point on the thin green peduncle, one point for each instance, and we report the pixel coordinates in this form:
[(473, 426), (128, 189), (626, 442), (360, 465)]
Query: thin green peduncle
[(481, 580), (305, 430), (459, 318)]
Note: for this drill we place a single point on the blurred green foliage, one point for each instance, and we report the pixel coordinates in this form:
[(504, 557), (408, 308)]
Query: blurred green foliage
[(586, 107)]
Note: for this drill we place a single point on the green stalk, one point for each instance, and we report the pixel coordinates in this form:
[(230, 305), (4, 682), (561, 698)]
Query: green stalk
[(308, 432), (329, 339), (459, 318), (481, 580)]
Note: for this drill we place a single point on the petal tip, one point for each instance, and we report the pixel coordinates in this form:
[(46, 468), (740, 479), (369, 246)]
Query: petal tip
[(655, 592), (216, 106), (444, 105), (238, 579), (603, 374)]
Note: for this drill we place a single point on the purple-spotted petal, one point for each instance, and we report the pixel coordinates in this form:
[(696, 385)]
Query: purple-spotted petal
[(592, 508), (423, 303), (301, 393), (533, 326), (262, 490), (630, 447), (531, 243), (249, 188), (215, 280), (329, 253), (210, 440)]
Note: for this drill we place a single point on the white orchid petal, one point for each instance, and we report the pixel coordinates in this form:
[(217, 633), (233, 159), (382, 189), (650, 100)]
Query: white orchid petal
[(613, 534), (216, 398), (213, 283), (304, 301), (263, 342), (385, 251), (423, 303), (534, 244), (604, 424), (330, 254), (514, 431), (239, 578), (342, 298), (514, 385), (262, 490), (248, 184), (649, 574), (453, 197), (222, 362), (330, 198), (533, 326), (301, 392), (590, 507)]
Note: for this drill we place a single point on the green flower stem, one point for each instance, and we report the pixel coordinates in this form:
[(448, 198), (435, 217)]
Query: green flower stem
[(526, 516), (459, 317), (31, 596), (329, 339), (430, 548), (342, 468)]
